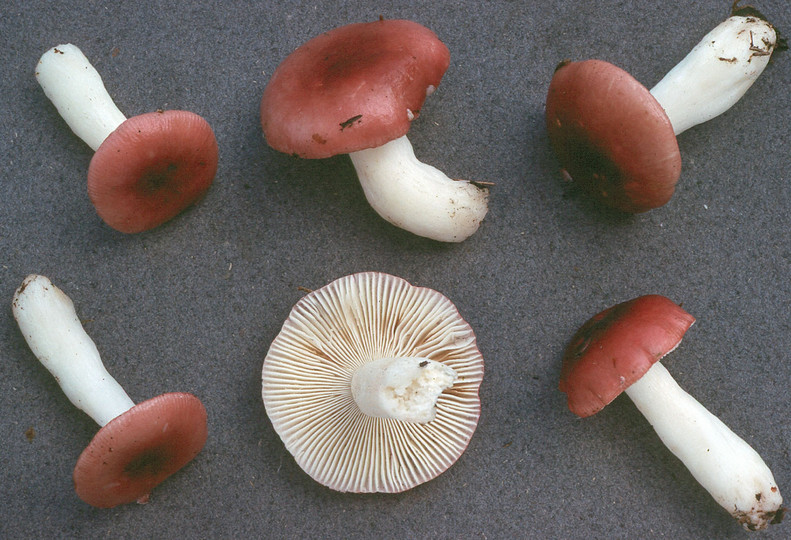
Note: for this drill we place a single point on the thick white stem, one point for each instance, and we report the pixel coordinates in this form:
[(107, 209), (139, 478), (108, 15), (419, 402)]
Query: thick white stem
[(401, 388), (416, 196), (717, 72), (49, 323), (77, 91), (730, 470)]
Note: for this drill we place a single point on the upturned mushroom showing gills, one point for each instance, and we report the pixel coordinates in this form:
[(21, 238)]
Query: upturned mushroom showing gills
[(619, 350), (138, 446), (372, 384), (617, 140), (146, 169), (355, 90)]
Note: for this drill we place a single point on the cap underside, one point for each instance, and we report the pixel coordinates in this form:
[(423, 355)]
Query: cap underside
[(307, 378)]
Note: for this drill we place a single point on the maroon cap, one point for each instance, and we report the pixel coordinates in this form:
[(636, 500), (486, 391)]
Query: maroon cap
[(152, 167), (137, 450), (354, 87), (611, 136), (616, 347)]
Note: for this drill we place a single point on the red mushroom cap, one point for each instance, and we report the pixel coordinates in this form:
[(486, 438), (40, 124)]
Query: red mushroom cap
[(615, 348), (152, 167), (137, 450), (352, 88), (611, 136)]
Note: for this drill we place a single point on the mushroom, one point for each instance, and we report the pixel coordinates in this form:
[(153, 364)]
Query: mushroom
[(356, 90), (619, 350), (617, 140), (146, 169), (372, 384), (138, 446)]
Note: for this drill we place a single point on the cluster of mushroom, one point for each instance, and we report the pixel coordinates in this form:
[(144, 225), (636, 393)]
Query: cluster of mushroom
[(354, 90), (145, 170), (372, 383), (617, 141)]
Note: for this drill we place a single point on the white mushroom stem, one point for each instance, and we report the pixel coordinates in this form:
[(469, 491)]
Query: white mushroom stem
[(730, 470), (405, 389), (77, 91), (717, 72), (49, 323), (416, 196)]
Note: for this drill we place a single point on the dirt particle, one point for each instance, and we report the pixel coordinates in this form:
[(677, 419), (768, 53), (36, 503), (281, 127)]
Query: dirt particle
[(350, 122)]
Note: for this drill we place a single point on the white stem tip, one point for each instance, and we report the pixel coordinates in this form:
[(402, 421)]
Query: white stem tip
[(50, 325), (77, 91)]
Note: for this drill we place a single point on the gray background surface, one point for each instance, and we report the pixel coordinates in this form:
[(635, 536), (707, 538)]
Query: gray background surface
[(193, 306)]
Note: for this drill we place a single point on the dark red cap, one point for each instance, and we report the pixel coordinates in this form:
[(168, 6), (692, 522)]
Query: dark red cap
[(354, 87), (152, 167), (611, 136), (616, 347), (137, 450)]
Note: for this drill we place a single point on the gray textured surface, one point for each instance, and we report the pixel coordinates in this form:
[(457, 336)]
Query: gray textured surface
[(193, 305)]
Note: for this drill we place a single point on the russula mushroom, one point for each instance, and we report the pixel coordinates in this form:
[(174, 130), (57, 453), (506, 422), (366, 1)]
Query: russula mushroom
[(372, 384), (619, 350), (146, 169), (617, 140), (138, 446), (355, 90)]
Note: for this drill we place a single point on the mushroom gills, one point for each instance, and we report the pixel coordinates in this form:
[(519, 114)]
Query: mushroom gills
[(416, 196), (401, 388)]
